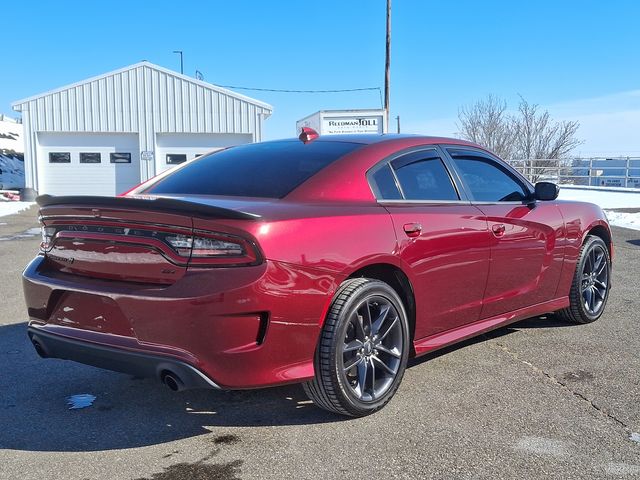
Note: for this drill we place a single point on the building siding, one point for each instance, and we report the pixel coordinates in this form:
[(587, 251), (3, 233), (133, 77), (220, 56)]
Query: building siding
[(143, 99)]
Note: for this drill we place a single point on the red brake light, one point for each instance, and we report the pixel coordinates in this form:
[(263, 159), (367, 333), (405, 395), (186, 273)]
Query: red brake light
[(199, 247), (214, 248), (308, 135)]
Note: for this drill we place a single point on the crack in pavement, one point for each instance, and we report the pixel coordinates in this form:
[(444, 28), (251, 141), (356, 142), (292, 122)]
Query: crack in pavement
[(565, 386)]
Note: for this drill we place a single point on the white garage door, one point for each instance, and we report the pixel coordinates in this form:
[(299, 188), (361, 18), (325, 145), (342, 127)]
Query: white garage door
[(175, 148), (87, 163)]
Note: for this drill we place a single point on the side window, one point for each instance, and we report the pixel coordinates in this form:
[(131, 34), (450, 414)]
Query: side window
[(176, 158), (487, 182), (424, 178), (59, 157), (90, 157), (384, 184), (120, 157)]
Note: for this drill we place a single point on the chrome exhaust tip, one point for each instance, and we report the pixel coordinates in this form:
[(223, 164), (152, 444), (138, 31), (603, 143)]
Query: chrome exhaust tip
[(172, 382), (39, 349)]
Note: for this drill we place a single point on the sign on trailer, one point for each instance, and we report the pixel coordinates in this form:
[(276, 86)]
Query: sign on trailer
[(340, 122)]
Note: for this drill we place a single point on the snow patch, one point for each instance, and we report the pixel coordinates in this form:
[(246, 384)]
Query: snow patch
[(11, 171), (11, 135), (11, 155), (624, 219), (609, 200), (627, 198), (10, 208)]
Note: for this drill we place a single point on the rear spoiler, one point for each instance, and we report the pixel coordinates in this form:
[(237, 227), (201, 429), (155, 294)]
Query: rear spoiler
[(164, 204)]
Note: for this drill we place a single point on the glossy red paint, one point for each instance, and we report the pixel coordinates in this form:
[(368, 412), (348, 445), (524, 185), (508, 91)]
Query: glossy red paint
[(308, 135), (471, 267)]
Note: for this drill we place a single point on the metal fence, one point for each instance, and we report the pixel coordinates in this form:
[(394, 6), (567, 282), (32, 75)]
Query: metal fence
[(600, 172)]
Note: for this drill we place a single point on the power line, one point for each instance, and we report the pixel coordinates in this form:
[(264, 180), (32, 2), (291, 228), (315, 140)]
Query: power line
[(341, 90)]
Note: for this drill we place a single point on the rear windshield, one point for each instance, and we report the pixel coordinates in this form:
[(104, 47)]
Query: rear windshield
[(270, 169)]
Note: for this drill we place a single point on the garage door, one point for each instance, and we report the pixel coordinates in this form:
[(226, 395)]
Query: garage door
[(87, 163), (175, 148)]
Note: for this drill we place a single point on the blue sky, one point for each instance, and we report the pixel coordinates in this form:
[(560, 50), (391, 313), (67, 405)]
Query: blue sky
[(579, 59)]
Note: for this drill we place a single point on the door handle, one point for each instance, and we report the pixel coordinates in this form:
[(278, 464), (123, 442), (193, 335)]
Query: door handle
[(498, 229), (412, 229)]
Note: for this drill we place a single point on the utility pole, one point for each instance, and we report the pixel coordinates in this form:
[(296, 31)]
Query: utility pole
[(181, 63), (398, 120), (387, 65)]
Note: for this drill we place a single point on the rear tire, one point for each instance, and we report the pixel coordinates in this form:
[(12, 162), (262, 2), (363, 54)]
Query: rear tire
[(363, 349), (591, 283)]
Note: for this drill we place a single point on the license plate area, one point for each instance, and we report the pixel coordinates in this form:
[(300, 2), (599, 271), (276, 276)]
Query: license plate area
[(91, 312)]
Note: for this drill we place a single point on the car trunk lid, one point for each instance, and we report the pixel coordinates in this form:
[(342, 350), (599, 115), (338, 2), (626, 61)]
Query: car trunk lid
[(135, 239)]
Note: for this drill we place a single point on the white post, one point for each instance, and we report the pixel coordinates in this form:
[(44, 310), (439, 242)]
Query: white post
[(626, 173)]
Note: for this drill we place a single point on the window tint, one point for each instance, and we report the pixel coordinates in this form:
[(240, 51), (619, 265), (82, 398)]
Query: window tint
[(120, 157), (385, 184), (487, 182), (90, 157), (59, 157), (175, 158), (270, 169), (424, 179)]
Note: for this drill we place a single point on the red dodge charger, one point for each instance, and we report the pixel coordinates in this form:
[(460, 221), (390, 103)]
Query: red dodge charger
[(328, 261)]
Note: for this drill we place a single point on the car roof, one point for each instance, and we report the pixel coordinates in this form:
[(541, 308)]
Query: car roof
[(345, 180), (371, 138)]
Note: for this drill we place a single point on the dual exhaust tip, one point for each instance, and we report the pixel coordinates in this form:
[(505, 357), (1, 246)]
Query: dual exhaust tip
[(172, 381), (168, 378), (39, 349)]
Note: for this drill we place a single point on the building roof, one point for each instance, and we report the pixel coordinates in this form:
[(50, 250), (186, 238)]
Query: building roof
[(17, 105)]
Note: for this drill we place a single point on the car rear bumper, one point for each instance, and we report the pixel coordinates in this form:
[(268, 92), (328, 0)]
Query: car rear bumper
[(186, 377), (239, 327)]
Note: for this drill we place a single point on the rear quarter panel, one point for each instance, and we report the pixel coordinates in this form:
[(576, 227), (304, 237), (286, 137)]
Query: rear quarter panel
[(332, 239)]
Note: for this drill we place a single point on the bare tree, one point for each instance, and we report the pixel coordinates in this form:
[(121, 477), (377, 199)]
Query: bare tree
[(487, 123), (530, 135)]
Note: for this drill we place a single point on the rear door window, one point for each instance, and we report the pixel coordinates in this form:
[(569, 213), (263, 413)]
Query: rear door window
[(384, 183), (423, 176)]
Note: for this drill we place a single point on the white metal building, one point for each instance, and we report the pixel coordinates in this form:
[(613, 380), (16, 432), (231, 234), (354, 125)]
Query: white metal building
[(106, 134), (339, 122)]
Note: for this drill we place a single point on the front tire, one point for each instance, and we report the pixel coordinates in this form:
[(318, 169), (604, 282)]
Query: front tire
[(591, 283), (363, 349)]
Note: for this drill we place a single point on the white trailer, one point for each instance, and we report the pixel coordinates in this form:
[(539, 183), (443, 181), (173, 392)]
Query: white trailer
[(341, 122)]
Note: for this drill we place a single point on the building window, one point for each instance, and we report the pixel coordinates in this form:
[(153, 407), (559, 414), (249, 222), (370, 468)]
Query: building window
[(175, 158), (120, 157), (59, 157), (90, 157)]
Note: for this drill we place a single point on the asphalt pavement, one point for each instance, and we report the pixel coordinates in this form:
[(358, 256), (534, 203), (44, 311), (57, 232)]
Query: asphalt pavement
[(539, 399)]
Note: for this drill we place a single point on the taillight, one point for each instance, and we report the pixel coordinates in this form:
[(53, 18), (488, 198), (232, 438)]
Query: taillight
[(47, 235), (200, 248), (211, 248), (181, 244)]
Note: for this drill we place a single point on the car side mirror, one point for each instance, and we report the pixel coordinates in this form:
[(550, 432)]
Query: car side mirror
[(546, 191)]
